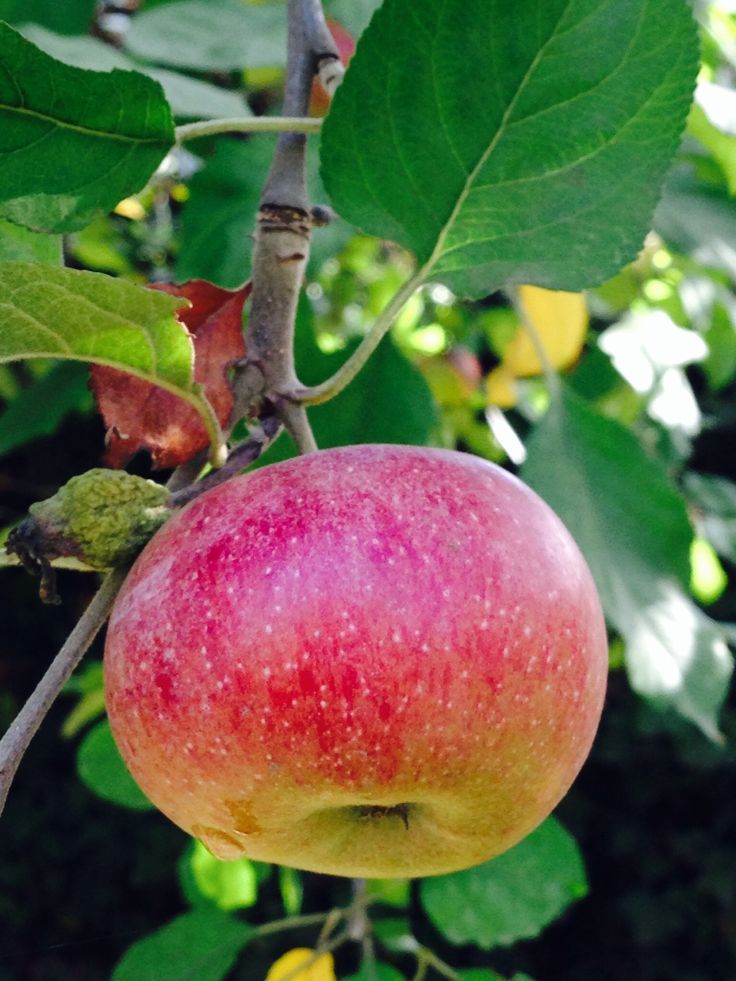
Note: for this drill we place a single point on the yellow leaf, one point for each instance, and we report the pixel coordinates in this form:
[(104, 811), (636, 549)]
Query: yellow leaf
[(501, 387), (561, 321), (293, 966)]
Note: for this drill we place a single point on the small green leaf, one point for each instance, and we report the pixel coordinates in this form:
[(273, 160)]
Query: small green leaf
[(390, 892), (101, 768), (22, 245), (199, 946), (229, 885), (291, 887), (511, 898), (528, 149), (73, 143), (40, 407), (633, 529), (224, 35)]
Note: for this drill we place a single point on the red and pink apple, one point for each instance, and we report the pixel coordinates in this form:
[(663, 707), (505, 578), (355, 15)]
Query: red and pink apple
[(370, 661)]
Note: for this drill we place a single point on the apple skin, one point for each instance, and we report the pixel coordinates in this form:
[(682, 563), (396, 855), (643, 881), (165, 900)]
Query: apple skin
[(372, 661)]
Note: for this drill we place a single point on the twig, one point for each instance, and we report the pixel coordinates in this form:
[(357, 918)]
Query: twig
[(327, 390), (248, 124), (244, 453), (427, 958), (24, 727)]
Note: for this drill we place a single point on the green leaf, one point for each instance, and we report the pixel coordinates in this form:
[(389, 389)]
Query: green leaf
[(229, 885), (633, 529), (40, 407), (511, 898), (224, 35), (199, 946), (698, 221), (73, 143), (291, 887), (480, 974), (101, 769), (390, 892), (85, 316), (69, 17), (188, 97), (23, 245), (529, 148)]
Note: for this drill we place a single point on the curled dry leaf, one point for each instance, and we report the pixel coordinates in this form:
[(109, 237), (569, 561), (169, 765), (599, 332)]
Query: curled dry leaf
[(139, 415)]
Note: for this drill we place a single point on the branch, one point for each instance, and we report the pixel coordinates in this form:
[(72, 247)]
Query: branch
[(327, 390), (242, 455), (281, 249), (24, 727), (248, 124)]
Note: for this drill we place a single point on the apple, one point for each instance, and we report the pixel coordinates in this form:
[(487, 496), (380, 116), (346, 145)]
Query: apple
[(369, 661)]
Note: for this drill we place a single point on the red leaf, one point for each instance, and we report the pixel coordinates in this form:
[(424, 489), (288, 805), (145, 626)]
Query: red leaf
[(139, 415)]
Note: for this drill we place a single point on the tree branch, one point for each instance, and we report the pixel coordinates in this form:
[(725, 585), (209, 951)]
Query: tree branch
[(24, 727), (281, 249), (329, 69)]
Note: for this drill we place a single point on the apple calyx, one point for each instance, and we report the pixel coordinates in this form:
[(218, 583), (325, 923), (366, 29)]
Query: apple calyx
[(102, 518)]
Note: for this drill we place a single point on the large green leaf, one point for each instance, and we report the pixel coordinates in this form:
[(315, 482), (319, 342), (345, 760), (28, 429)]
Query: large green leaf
[(188, 97), (633, 529), (101, 768), (73, 142), (84, 316), (512, 897), (23, 245), (511, 142), (199, 946), (210, 35)]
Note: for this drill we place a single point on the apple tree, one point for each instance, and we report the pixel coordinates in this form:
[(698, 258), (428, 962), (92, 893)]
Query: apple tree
[(234, 232)]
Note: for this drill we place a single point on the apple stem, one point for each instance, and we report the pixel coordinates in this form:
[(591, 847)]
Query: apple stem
[(16, 740)]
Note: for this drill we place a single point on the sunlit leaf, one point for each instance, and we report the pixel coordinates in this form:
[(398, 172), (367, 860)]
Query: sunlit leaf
[(633, 529), (545, 168)]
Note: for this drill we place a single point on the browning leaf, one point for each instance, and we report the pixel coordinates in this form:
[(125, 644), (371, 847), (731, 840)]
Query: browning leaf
[(139, 415)]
